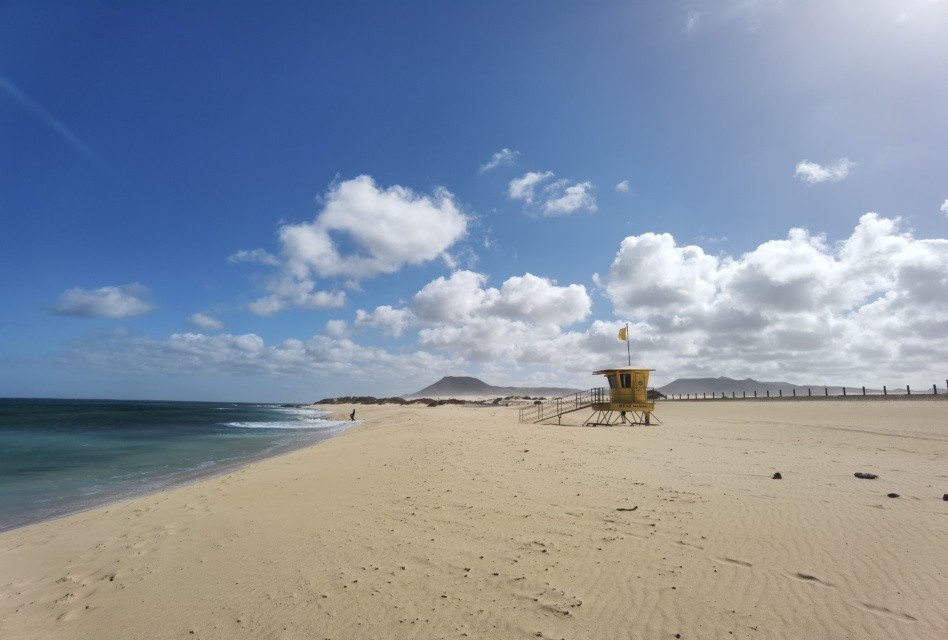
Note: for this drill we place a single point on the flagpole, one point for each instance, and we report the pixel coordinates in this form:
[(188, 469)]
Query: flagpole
[(628, 349)]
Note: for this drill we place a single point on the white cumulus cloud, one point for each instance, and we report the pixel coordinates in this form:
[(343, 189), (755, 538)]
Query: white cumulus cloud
[(206, 322), (529, 298), (503, 157), (519, 322), (873, 302), (331, 358), (552, 198), (390, 228), (944, 207), (388, 320), (651, 272), (567, 199), (524, 187), (623, 187), (540, 300), (290, 292), (337, 328), (361, 232), (106, 302), (813, 173), (255, 256)]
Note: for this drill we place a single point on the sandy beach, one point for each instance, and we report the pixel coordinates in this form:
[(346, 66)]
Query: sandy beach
[(460, 522)]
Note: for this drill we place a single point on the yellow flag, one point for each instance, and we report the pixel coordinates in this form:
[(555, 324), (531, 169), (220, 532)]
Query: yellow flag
[(623, 333)]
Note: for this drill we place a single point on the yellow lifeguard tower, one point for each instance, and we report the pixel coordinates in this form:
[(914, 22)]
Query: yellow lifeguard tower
[(624, 401), (627, 395)]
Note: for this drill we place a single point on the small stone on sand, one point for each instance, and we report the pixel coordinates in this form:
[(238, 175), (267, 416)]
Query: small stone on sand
[(865, 476), (777, 476)]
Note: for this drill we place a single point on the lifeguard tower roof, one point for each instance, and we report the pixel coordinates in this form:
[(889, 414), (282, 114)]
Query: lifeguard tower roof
[(615, 369)]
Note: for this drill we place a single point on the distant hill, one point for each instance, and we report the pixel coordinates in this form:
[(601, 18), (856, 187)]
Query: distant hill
[(465, 386), (468, 387), (749, 385)]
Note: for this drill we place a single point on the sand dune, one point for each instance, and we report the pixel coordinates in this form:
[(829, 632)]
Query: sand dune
[(458, 522)]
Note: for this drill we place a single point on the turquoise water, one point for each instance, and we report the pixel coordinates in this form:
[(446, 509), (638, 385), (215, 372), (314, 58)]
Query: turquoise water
[(62, 456)]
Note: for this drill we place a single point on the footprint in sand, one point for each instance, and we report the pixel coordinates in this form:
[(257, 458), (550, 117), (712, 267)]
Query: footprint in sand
[(740, 563), (689, 544), (806, 577), (885, 611)]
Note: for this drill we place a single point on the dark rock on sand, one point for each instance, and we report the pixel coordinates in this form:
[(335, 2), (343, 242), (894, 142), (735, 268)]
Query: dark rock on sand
[(865, 476), (893, 495), (777, 476)]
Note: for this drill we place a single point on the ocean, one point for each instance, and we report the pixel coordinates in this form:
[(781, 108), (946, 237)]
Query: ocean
[(62, 456)]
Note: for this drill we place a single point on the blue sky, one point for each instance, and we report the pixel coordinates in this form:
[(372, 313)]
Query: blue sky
[(285, 201)]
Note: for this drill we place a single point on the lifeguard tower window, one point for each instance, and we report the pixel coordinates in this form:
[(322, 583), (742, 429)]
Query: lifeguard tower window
[(612, 382), (625, 380)]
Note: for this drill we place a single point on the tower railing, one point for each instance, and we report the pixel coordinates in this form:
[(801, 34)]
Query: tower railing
[(564, 404)]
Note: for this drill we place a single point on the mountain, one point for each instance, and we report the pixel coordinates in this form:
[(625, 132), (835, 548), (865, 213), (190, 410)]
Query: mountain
[(749, 385), (464, 386)]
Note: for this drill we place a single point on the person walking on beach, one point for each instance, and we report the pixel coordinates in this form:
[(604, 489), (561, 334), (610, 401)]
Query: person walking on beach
[(352, 416)]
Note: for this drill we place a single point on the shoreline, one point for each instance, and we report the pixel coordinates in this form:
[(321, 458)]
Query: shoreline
[(460, 522), (186, 477), (182, 479)]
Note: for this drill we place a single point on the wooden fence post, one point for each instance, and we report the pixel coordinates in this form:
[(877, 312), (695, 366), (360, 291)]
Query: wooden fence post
[(885, 391), (864, 390), (908, 390)]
